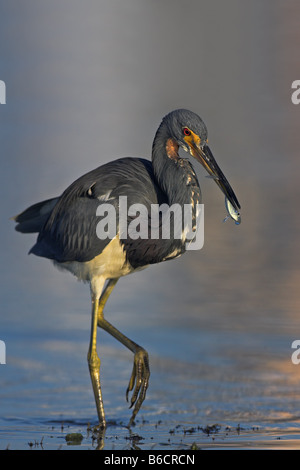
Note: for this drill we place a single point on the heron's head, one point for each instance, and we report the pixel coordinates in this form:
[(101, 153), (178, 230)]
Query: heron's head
[(189, 131)]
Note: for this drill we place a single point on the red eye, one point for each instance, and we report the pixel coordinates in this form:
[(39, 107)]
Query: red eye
[(186, 131)]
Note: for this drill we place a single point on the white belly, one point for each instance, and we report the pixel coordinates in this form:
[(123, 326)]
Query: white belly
[(110, 264)]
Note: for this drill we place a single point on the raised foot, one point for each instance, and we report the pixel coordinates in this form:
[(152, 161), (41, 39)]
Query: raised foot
[(139, 381)]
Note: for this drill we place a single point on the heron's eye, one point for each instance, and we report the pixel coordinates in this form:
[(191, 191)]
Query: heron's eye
[(186, 131)]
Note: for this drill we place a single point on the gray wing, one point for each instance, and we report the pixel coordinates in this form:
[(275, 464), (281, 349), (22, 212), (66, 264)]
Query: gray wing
[(69, 233)]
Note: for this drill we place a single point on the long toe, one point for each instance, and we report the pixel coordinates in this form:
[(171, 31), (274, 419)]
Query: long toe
[(139, 381)]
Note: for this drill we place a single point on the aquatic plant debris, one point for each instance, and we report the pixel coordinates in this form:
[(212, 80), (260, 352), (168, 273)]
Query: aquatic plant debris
[(74, 438)]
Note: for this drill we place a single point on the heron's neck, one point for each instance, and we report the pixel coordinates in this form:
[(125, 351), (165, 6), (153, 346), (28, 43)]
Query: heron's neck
[(175, 175)]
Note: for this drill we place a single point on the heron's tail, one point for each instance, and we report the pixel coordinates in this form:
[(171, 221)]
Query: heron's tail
[(33, 219)]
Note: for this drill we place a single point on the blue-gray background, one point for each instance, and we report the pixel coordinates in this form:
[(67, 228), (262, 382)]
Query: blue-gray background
[(88, 82)]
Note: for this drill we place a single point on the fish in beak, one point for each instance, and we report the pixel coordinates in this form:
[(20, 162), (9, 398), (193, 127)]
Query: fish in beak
[(203, 154)]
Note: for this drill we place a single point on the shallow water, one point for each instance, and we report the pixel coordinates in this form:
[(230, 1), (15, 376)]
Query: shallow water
[(218, 323)]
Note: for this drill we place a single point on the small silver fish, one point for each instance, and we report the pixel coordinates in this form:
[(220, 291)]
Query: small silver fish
[(232, 213)]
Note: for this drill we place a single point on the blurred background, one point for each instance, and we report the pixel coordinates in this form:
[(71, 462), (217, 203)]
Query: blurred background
[(88, 82)]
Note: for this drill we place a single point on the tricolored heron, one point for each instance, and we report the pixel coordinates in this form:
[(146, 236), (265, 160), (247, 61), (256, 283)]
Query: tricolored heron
[(66, 227)]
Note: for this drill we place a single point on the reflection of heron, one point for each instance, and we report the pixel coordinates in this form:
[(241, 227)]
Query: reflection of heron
[(67, 227)]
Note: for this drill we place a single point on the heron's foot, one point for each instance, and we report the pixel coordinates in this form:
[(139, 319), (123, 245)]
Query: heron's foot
[(139, 381)]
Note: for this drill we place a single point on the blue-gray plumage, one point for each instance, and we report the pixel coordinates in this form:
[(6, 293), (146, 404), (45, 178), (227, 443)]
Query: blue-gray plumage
[(66, 226)]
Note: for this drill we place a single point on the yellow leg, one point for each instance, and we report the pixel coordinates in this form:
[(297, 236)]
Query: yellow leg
[(139, 379), (94, 365)]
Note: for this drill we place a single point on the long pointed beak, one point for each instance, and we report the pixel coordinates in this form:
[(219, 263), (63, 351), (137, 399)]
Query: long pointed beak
[(206, 158)]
